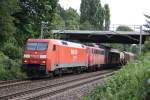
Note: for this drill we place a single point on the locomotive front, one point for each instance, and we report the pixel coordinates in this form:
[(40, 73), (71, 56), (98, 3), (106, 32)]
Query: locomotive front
[(35, 57)]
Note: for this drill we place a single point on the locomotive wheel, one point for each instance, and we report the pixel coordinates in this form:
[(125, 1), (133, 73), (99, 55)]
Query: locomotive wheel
[(89, 69), (50, 74), (79, 70), (60, 73), (57, 72), (75, 71)]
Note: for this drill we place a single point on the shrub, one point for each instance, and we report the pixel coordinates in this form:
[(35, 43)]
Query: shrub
[(127, 84), (12, 51), (146, 47), (9, 69)]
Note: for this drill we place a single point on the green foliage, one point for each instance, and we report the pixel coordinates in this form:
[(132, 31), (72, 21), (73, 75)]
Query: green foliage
[(86, 26), (124, 28), (147, 26), (85, 11), (58, 22), (107, 16), (12, 51), (127, 84), (98, 19), (134, 48), (19, 20), (66, 19), (7, 28), (9, 69), (146, 47), (148, 23), (95, 14), (72, 19), (29, 18), (61, 11)]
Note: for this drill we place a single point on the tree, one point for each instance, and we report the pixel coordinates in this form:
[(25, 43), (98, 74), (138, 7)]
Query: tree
[(66, 19), (99, 18), (147, 26), (7, 27), (146, 46), (90, 11), (85, 11), (124, 28), (32, 13), (95, 6), (107, 16), (72, 19), (94, 13), (86, 26), (148, 23), (58, 23), (61, 11)]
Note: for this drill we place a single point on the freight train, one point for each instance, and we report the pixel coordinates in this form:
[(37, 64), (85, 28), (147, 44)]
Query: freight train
[(52, 56)]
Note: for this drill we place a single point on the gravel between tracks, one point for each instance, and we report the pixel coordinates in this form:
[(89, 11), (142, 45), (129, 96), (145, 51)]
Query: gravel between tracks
[(34, 85), (76, 93)]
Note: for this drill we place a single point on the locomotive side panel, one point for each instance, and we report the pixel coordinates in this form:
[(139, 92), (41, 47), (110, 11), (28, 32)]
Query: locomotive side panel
[(69, 57)]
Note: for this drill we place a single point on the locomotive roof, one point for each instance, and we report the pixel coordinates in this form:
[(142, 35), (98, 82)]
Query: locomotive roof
[(66, 43), (59, 42)]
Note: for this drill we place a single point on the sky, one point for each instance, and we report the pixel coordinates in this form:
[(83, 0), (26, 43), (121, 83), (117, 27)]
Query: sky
[(128, 12)]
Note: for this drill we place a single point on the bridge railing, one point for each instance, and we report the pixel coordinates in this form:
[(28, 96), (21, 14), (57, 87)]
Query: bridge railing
[(112, 27), (136, 28)]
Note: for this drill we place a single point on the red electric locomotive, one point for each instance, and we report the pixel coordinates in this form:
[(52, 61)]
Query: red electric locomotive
[(96, 57), (50, 55)]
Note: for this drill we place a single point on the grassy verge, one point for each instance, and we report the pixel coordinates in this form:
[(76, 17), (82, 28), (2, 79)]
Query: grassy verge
[(127, 84)]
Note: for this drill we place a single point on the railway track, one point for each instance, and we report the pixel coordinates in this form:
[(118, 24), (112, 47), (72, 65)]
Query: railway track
[(52, 89), (9, 84), (12, 83)]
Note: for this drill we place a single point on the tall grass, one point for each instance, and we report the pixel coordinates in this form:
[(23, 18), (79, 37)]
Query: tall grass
[(127, 84)]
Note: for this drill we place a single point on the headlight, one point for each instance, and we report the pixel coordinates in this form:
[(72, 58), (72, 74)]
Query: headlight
[(26, 56), (43, 56)]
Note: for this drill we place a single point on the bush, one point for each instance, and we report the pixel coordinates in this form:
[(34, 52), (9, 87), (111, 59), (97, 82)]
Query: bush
[(9, 69), (146, 47), (127, 84), (12, 51)]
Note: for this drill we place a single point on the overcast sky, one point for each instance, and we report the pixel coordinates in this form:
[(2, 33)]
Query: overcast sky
[(122, 11)]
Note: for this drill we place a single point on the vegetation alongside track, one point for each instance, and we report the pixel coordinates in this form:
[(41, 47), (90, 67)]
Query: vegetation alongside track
[(10, 69), (20, 20), (127, 84)]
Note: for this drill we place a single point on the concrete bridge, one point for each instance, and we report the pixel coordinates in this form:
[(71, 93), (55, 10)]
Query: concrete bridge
[(124, 37)]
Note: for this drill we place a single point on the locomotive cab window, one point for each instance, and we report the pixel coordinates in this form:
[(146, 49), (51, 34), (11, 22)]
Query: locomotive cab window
[(42, 46), (31, 45), (37, 46)]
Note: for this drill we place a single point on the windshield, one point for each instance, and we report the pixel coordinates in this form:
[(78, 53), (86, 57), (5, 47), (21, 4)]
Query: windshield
[(37, 46)]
